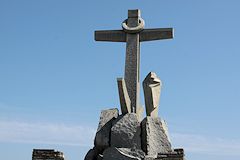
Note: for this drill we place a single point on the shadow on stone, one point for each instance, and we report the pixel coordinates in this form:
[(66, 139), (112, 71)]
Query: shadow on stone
[(113, 153), (102, 138)]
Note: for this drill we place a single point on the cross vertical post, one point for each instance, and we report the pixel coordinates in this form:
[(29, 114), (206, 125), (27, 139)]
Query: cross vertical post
[(132, 61)]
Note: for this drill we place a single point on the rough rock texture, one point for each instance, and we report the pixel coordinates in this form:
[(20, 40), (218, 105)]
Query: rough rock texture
[(125, 132), (113, 153), (149, 158), (152, 89), (45, 154), (91, 155), (165, 129), (177, 154), (102, 139), (154, 139)]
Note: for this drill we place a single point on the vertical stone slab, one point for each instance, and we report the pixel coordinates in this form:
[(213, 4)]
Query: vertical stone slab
[(140, 111), (102, 138), (132, 60), (154, 139), (125, 132), (152, 89), (125, 101)]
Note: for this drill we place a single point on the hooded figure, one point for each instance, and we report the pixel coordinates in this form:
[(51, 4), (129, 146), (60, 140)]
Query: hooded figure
[(152, 90)]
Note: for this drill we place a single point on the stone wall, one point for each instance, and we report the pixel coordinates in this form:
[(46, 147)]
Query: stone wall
[(47, 154)]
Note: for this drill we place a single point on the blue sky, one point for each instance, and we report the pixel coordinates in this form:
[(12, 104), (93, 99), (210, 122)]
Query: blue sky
[(55, 79)]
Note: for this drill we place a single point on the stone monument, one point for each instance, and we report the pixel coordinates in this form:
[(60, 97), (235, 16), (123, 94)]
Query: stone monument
[(125, 135)]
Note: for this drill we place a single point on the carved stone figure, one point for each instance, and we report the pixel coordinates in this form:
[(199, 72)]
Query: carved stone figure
[(152, 89)]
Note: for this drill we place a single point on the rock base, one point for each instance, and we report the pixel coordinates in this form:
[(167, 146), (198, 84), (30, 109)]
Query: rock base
[(154, 138), (124, 137)]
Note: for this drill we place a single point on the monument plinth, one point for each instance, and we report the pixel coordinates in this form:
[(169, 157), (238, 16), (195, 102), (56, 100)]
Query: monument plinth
[(125, 135)]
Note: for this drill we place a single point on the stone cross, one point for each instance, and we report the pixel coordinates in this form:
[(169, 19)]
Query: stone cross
[(133, 33)]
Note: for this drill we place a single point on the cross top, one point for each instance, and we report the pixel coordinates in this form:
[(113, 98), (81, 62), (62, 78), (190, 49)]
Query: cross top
[(133, 33), (134, 23)]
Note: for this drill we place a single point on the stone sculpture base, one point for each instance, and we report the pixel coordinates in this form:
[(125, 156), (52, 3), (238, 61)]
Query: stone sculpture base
[(124, 137)]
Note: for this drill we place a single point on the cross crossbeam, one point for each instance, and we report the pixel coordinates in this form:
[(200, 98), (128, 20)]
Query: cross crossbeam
[(133, 35), (145, 35)]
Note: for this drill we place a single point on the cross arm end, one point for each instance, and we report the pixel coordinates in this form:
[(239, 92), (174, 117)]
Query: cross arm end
[(156, 34), (110, 35)]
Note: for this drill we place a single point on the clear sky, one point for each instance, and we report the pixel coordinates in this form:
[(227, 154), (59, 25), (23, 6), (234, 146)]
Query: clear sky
[(55, 79)]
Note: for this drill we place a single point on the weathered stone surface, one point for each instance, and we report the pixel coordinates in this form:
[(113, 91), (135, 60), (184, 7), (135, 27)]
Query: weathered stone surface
[(165, 129), (113, 153), (91, 155), (123, 96), (154, 139), (102, 138), (106, 116), (42, 154), (177, 154), (149, 158), (132, 63), (125, 132), (152, 89)]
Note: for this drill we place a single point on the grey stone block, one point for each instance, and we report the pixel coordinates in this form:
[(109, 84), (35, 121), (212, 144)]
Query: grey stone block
[(102, 138), (154, 139), (125, 132), (42, 154), (123, 96), (152, 90), (149, 158), (113, 153)]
